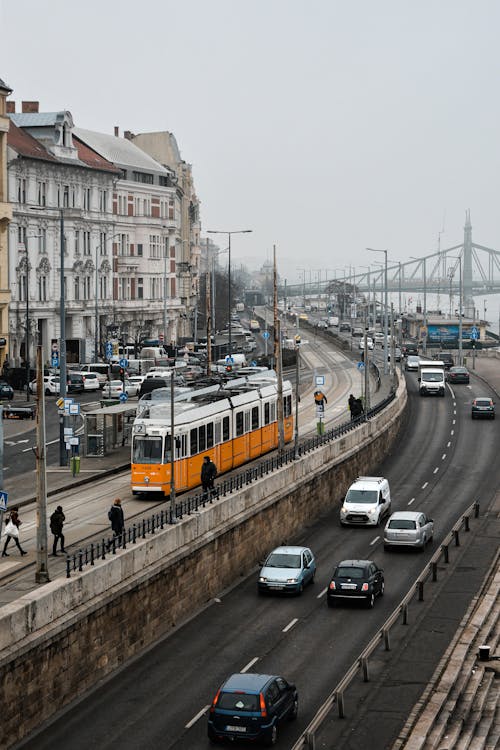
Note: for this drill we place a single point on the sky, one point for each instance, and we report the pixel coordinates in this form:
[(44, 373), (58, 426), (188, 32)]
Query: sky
[(324, 126)]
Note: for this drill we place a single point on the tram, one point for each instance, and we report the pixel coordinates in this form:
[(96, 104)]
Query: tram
[(233, 424)]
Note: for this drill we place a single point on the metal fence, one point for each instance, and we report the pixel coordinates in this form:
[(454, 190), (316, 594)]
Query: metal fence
[(192, 503)]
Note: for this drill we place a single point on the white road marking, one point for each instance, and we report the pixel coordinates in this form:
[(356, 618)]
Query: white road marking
[(448, 443), (22, 441), (454, 421), (198, 716), (436, 470), (374, 541), (454, 412), (452, 432), (250, 664), (27, 450), (322, 593), (290, 625), (411, 501), (443, 456), (425, 485)]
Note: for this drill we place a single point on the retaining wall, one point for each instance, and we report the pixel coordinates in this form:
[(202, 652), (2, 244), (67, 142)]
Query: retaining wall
[(58, 641)]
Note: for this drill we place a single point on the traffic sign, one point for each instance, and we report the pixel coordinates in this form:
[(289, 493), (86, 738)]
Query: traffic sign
[(360, 365), (109, 349), (124, 362), (319, 379), (253, 363), (265, 335), (4, 496), (474, 333), (123, 397), (229, 360), (54, 361)]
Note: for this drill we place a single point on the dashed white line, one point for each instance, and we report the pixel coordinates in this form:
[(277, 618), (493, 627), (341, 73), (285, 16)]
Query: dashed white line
[(436, 470), (250, 664), (454, 421), (322, 593), (411, 501), (374, 541), (443, 456), (290, 625), (448, 443), (198, 716), (454, 411), (425, 485), (452, 432)]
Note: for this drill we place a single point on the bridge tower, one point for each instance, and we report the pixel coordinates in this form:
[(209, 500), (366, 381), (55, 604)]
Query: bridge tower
[(467, 298)]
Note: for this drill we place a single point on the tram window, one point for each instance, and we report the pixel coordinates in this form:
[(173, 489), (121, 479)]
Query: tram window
[(239, 423), (218, 432), (225, 429), (166, 451), (194, 442), (210, 435), (266, 413), (202, 438), (183, 452), (255, 418), (273, 411), (287, 406), (147, 450), (247, 421)]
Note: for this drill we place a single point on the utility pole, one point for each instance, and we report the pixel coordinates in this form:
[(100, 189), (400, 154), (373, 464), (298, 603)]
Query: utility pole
[(209, 323), (277, 356), (172, 450), (42, 562)]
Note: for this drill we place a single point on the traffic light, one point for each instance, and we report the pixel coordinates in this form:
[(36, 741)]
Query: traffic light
[(229, 368), (122, 374)]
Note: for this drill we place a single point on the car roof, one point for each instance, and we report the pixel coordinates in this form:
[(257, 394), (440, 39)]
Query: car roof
[(406, 515), (483, 398), (290, 550), (355, 563), (247, 681)]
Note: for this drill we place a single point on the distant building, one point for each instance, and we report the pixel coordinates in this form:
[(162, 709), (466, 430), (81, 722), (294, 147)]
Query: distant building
[(5, 217)]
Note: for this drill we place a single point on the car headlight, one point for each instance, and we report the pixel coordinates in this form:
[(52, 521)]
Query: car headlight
[(262, 579), (291, 580)]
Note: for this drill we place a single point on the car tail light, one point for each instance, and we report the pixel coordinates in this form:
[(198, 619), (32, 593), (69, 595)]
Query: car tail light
[(332, 585), (263, 710), (364, 587), (214, 702)]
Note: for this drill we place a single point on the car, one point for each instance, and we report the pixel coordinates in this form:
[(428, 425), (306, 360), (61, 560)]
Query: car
[(345, 327), (411, 363), (136, 380), (409, 347), (6, 391), (287, 570), (356, 580), (483, 408), (356, 331), (74, 382), (379, 337), (50, 385), (408, 529), (369, 344), (397, 354), (251, 707), (91, 381), (446, 358), (322, 324), (367, 502), (112, 389), (458, 375)]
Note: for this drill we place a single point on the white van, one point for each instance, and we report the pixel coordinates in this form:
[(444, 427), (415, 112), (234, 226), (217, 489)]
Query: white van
[(431, 378), (367, 502), (239, 360), (102, 369)]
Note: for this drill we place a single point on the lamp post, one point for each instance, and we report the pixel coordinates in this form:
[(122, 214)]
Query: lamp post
[(229, 234), (97, 327), (386, 319), (63, 454), (424, 342)]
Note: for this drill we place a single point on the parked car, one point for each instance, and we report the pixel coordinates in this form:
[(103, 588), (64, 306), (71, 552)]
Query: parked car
[(356, 331), (408, 529), (483, 408), (287, 570), (91, 381), (6, 391), (356, 580), (458, 375), (50, 385), (251, 707), (345, 327), (411, 363), (74, 382)]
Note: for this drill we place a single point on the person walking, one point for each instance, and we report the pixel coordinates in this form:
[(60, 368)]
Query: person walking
[(351, 401), (57, 520), (208, 474), (115, 515), (13, 523)]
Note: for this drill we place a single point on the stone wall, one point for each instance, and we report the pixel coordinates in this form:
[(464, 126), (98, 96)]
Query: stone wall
[(58, 641)]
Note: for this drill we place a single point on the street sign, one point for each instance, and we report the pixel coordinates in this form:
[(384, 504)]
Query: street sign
[(124, 362), (123, 397), (474, 333), (265, 335), (319, 379), (109, 349), (4, 496), (74, 409), (54, 361), (320, 410), (253, 363), (229, 360), (360, 365)]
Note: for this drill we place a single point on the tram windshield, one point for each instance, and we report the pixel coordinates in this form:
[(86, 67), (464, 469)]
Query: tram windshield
[(147, 450)]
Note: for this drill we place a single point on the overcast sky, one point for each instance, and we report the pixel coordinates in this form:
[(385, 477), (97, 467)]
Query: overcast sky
[(323, 126)]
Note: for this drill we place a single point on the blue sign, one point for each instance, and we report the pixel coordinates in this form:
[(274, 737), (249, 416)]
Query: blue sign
[(109, 349), (253, 363), (474, 333), (229, 360), (360, 365), (54, 362), (124, 363), (4, 496), (123, 397), (265, 335)]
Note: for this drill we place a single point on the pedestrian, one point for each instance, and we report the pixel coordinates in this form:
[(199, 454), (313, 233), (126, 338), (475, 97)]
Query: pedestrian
[(351, 401), (13, 523), (208, 474), (115, 515), (57, 520)]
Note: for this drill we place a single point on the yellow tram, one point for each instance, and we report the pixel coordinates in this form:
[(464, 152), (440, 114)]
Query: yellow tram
[(232, 424)]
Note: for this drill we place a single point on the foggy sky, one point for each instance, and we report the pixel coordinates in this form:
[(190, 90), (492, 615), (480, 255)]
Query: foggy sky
[(324, 126)]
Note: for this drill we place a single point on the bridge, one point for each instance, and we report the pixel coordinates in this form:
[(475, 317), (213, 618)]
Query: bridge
[(465, 270)]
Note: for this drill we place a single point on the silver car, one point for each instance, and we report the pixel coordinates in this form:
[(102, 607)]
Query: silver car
[(412, 362), (408, 529), (287, 570)]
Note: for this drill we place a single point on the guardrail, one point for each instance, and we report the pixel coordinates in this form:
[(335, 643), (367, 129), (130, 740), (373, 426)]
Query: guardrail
[(400, 615), (191, 504)]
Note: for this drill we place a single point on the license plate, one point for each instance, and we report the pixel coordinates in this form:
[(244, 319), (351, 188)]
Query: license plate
[(230, 728), (348, 586), (278, 588)]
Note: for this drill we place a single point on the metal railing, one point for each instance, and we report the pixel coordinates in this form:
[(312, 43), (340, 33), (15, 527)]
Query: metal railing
[(76, 561), (399, 616)]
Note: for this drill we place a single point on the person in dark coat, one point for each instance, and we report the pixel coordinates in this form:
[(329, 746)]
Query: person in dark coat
[(12, 531), (208, 474), (57, 520), (351, 401), (115, 515)]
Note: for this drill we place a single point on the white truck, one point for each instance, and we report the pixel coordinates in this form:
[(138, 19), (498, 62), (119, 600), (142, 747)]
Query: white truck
[(333, 320), (431, 378)]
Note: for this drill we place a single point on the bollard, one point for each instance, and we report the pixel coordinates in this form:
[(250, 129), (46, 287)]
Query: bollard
[(457, 538), (405, 614), (364, 667), (143, 528), (476, 510), (387, 639), (113, 542), (134, 531), (103, 557), (340, 703), (466, 523), (124, 540), (434, 569), (445, 551), (80, 560), (67, 567), (484, 653), (420, 591)]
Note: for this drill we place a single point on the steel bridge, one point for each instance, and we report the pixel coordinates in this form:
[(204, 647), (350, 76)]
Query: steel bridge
[(468, 270)]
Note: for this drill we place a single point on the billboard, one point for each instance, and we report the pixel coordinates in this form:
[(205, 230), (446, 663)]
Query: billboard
[(439, 334)]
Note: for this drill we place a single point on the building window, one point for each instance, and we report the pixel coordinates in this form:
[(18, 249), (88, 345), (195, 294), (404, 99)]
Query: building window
[(146, 207), (103, 200), (171, 209), (103, 287), (21, 237), (86, 243), (41, 193), (147, 179), (77, 242), (23, 288), (42, 288), (77, 289), (139, 250), (42, 241), (122, 205), (87, 285), (154, 246), (124, 288), (86, 199), (65, 196), (103, 239), (21, 190), (137, 207), (140, 288), (124, 244)]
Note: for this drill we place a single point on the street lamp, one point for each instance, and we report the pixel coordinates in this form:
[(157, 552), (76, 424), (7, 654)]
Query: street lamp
[(460, 332), (386, 320), (27, 335), (223, 231), (97, 326), (424, 343)]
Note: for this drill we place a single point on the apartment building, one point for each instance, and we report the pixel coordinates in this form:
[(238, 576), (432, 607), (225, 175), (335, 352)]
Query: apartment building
[(5, 217)]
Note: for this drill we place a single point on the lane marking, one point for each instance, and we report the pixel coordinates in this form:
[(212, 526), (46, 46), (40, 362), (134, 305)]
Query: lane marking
[(436, 470), (198, 716), (452, 432), (250, 664), (411, 501), (443, 456), (290, 625), (375, 540), (454, 421), (425, 485), (322, 593), (448, 443), (454, 412)]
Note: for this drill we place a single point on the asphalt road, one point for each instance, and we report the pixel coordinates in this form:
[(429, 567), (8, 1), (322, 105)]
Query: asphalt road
[(441, 463)]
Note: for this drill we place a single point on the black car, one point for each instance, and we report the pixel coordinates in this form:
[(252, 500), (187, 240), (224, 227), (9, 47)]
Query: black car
[(483, 408), (358, 580), (446, 358), (6, 391), (457, 375), (344, 327), (75, 383), (409, 347), (251, 707)]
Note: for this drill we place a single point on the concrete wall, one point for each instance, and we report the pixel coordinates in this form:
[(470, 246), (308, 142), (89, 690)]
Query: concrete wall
[(58, 641)]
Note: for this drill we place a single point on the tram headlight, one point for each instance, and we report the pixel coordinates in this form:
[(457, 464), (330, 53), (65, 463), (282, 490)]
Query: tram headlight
[(146, 480)]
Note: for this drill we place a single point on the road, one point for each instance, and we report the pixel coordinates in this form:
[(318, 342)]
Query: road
[(441, 462)]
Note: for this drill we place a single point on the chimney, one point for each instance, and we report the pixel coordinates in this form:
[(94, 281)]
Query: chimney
[(128, 135), (117, 131), (29, 107), (11, 107)]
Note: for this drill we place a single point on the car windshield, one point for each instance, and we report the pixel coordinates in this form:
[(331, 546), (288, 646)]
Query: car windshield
[(402, 523), (282, 560), (147, 450), (362, 496), (238, 702), (483, 402), (459, 370), (432, 377), (349, 572)]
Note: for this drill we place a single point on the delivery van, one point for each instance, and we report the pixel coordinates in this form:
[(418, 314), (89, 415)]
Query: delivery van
[(431, 378)]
